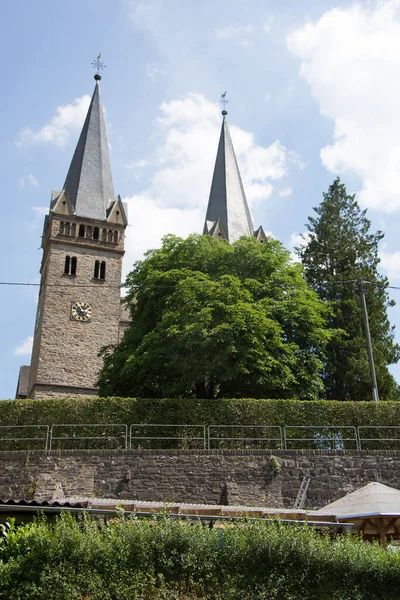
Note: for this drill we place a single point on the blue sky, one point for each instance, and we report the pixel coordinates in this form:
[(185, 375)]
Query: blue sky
[(313, 92)]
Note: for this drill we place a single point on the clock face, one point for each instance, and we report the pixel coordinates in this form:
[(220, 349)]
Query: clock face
[(81, 311)]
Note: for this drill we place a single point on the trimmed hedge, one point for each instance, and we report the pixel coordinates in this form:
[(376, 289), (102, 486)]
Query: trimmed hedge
[(167, 559), (237, 413), (198, 412)]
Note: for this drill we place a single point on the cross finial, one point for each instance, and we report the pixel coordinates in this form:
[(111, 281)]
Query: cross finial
[(98, 65), (223, 103)]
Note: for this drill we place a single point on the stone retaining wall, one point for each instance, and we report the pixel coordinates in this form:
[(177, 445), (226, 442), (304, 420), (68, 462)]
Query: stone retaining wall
[(211, 477)]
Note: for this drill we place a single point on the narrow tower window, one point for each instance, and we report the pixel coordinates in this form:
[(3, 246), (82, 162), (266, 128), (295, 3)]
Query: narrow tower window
[(99, 270), (61, 231), (73, 229), (110, 235), (104, 235), (67, 228), (89, 232), (81, 231), (115, 237), (70, 265), (96, 233)]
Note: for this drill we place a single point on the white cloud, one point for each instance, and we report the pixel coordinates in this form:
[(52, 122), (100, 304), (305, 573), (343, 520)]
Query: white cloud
[(136, 167), (153, 70), (297, 240), (25, 348), (150, 222), (68, 118), (40, 210), (176, 198), (351, 59), (390, 262), (192, 127), (137, 164), (29, 180), (231, 32), (285, 192), (268, 23)]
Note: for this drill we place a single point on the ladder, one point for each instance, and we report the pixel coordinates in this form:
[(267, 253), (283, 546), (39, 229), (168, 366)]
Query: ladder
[(302, 494)]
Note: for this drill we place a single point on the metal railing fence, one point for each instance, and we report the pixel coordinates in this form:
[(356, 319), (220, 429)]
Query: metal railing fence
[(244, 441), (64, 436), (158, 442), (163, 436), (325, 437), (12, 429), (371, 442)]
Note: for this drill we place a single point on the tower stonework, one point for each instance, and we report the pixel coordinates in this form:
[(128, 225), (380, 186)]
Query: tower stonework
[(79, 307)]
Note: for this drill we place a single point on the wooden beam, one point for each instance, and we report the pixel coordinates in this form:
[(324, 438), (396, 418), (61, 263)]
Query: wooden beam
[(391, 524)]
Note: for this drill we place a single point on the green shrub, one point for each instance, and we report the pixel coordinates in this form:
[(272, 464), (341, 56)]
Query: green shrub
[(224, 411), (167, 559)]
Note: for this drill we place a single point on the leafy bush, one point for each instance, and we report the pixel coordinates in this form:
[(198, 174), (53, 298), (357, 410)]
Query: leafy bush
[(168, 559)]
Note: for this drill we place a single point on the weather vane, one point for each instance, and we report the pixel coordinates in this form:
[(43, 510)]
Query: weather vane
[(224, 102), (98, 65)]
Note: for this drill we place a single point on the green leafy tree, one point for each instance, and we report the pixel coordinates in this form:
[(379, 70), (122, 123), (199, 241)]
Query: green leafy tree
[(338, 252), (210, 319)]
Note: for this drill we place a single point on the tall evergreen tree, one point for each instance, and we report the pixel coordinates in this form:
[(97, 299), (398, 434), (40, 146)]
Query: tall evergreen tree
[(338, 252)]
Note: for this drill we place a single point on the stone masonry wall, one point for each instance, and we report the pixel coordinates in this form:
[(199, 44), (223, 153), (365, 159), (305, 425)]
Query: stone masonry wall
[(210, 477), (68, 352)]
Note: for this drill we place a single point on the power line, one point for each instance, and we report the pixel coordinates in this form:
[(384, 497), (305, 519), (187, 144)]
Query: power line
[(83, 285), (122, 285)]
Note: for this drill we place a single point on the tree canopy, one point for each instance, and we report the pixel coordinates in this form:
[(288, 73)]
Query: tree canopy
[(210, 319), (339, 251)]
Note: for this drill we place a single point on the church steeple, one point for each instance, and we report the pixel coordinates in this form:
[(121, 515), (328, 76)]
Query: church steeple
[(228, 215), (89, 186), (79, 306)]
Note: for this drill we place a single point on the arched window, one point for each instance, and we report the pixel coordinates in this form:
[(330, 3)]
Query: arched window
[(70, 265), (99, 269), (61, 230), (73, 229), (81, 231), (110, 235), (104, 235), (67, 228), (115, 237), (89, 232), (95, 233)]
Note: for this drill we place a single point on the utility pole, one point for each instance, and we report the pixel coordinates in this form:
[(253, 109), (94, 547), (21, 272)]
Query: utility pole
[(375, 394)]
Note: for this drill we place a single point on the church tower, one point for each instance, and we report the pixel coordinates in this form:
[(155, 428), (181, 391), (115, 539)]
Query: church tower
[(79, 306), (228, 215)]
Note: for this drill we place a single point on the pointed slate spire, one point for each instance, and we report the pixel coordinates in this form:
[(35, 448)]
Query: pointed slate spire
[(227, 212), (89, 184)]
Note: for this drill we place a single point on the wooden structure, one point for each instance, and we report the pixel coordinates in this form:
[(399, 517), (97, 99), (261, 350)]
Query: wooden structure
[(373, 509)]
